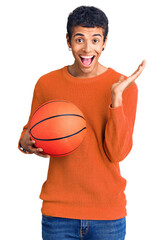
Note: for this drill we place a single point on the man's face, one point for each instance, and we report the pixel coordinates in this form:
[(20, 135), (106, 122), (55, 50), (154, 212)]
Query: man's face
[(87, 45)]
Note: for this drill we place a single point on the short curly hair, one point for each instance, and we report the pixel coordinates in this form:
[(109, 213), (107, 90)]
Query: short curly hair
[(87, 16)]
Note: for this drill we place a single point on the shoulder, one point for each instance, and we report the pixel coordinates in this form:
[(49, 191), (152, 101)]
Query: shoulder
[(50, 76), (115, 73)]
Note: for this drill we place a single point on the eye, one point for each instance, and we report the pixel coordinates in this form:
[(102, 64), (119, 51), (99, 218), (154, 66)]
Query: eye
[(79, 40), (95, 40)]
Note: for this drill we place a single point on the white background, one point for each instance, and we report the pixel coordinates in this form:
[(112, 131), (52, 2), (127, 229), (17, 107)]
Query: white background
[(33, 43)]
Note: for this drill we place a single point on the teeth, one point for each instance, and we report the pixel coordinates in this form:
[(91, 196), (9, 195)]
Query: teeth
[(86, 57)]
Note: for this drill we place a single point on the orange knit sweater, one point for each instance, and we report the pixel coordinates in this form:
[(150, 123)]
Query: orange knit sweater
[(87, 184)]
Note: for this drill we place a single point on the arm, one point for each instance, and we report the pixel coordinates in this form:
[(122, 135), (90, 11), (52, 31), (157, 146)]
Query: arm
[(25, 144), (119, 128)]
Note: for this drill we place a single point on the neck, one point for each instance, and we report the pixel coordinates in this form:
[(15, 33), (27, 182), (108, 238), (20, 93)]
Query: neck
[(75, 71)]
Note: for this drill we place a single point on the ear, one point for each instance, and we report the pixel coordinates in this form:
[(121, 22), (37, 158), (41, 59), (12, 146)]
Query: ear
[(68, 41), (104, 45)]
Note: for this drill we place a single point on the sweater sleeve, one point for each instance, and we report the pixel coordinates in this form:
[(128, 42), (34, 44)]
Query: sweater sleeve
[(119, 128), (36, 102)]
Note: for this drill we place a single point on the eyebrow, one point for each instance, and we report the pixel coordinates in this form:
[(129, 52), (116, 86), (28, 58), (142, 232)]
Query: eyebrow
[(94, 35)]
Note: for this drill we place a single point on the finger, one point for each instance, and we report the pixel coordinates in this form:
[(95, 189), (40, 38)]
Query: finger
[(38, 150), (39, 153), (42, 155), (121, 79), (137, 73), (34, 149), (30, 146), (139, 69), (32, 142), (143, 63)]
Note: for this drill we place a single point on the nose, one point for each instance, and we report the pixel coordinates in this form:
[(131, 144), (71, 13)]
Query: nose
[(87, 47)]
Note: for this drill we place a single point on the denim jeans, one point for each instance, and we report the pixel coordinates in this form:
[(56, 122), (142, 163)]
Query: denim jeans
[(56, 228)]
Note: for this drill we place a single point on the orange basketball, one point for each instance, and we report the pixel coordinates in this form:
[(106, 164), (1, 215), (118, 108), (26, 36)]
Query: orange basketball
[(58, 127)]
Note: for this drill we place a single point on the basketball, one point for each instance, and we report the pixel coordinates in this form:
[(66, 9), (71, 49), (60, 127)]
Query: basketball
[(58, 127)]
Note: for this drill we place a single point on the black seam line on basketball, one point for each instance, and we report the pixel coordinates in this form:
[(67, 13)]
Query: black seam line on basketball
[(54, 139), (48, 103), (61, 115), (62, 154)]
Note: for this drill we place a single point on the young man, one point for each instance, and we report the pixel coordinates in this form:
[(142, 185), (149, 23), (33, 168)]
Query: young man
[(83, 197)]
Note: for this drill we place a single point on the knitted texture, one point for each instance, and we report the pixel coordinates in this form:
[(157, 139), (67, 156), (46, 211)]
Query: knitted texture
[(87, 184)]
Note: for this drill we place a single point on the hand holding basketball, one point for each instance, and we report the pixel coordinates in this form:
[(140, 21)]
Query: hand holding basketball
[(119, 87), (28, 145)]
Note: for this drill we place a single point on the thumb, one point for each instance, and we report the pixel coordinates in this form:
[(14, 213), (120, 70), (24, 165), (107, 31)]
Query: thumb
[(121, 79)]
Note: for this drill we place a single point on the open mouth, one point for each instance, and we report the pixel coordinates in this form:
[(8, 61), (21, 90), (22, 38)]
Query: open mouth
[(87, 60)]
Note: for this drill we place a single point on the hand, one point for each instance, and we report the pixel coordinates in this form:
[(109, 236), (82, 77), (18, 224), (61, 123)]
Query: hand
[(29, 145), (119, 87)]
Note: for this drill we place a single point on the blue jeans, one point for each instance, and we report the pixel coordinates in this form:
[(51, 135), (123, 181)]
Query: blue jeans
[(56, 228)]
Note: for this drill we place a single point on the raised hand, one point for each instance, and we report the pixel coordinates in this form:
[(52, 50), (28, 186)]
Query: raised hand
[(119, 87)]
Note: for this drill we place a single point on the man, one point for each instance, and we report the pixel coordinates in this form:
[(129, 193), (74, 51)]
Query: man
[(83, 197)]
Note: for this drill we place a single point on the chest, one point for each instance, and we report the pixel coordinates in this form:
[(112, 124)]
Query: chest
[(92, 99)]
